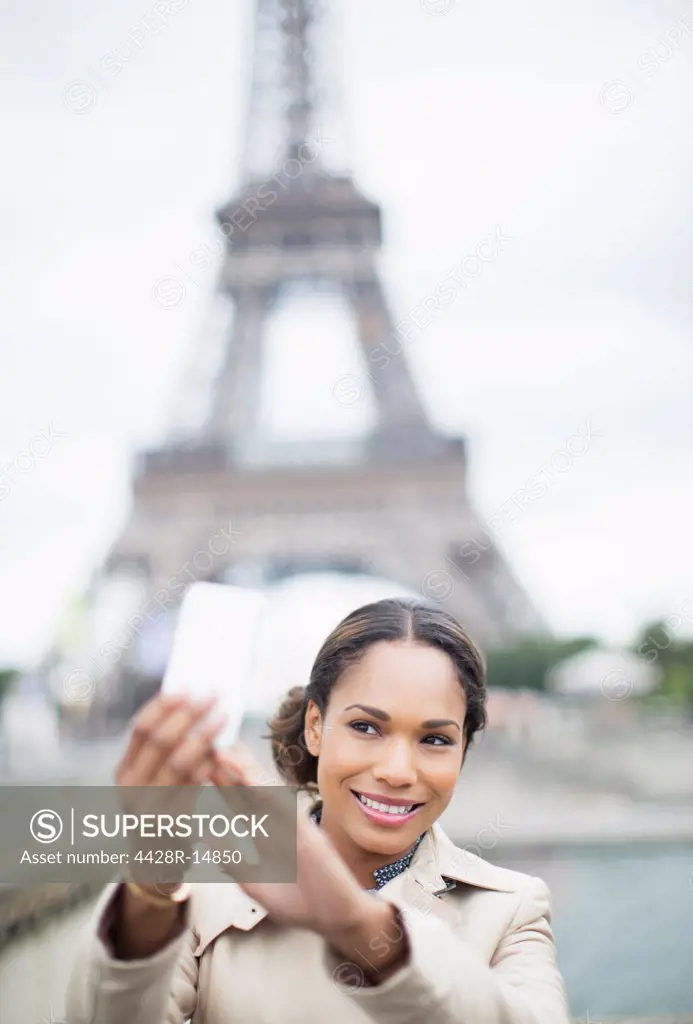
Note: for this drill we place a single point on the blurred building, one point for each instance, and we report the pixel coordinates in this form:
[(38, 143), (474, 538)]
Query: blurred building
[(600, 673)]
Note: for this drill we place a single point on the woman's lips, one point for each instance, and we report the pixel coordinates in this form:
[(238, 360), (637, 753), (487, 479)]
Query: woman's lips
[(384, 817)]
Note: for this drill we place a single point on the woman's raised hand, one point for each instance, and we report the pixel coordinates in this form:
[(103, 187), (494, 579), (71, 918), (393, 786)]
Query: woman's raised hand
[(171, 744)]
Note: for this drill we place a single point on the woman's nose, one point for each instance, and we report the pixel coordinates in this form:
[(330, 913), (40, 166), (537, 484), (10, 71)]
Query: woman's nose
[(397, 766)]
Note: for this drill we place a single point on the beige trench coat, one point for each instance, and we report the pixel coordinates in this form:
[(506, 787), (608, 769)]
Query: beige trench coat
[(481, 953)]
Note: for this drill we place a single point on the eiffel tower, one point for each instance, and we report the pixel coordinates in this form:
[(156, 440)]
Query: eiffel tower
[(393, 503)]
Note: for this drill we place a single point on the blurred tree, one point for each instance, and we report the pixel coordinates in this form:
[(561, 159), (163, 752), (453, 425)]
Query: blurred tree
[(7, 675), (658, 644), (526, 664)]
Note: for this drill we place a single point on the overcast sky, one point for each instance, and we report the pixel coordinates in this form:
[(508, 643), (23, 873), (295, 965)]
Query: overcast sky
[(561, 125)]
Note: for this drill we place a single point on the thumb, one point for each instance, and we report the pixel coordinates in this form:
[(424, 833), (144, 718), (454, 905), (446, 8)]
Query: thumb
[(243, 765), (226, 772)]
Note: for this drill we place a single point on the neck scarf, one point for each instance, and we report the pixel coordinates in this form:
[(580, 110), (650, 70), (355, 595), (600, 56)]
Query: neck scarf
[(389, 871)]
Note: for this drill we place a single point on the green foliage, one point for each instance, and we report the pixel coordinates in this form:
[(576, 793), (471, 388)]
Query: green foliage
[(7, 675), (526, 664), (659, 645)]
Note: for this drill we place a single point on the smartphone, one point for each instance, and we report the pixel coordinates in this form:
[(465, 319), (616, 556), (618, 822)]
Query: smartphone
[(214, 649)]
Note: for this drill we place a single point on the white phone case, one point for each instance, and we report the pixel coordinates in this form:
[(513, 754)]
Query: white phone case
[(214, 649)]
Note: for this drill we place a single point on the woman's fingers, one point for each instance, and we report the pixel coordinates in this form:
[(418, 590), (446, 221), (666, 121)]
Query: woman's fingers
[(240, 762), (158, 729), (229, 770), (147, 719), (223, 775), (166, 737), (192, 761)]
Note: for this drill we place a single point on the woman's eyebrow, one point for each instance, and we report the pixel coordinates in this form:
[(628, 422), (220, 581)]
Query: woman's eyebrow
[(437, 723), (376, 712), (431, 723)]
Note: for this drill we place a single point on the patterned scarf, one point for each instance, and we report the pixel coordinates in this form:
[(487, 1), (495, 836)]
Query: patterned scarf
[(389, 871)]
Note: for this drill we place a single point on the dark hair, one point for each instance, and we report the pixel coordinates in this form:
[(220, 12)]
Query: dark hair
[(390, 619)]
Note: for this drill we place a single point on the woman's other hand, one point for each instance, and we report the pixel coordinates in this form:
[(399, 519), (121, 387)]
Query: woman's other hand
[(325, 898)]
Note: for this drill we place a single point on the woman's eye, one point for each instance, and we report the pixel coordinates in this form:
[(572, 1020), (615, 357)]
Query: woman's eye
[(430, 741), (362, 726), (445, 741)]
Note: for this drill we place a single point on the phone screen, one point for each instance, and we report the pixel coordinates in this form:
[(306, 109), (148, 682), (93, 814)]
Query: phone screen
[(214, 649)]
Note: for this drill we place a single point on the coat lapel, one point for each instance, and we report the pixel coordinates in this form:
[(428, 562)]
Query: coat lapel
[(438, 859), (439, 866)]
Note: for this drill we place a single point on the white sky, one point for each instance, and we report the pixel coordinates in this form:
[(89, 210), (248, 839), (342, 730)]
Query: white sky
[(457, 123)]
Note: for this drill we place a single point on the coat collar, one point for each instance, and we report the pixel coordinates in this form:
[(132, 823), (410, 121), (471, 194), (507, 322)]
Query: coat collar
[(217, 906), (438, 859)]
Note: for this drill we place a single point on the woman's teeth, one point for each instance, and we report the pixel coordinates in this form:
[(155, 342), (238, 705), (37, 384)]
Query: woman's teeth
[(386, 808)]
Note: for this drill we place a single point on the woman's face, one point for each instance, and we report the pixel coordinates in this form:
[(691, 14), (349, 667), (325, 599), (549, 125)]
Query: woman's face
[(392, 734)]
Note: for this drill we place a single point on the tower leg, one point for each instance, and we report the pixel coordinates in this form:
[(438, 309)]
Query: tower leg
[(402, 420), (236, 394)]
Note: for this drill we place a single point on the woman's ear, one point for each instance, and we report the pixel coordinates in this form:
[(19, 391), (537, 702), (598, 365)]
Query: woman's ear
[(313, 728)]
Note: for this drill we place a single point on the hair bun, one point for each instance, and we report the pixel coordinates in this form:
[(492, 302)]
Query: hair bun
[(291, 756)]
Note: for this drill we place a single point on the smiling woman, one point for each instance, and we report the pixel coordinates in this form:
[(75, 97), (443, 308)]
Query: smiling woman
[(387, 919), (395, 697)]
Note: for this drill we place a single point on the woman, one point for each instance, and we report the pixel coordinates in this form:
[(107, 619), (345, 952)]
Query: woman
[(387, 920)]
